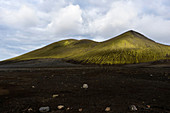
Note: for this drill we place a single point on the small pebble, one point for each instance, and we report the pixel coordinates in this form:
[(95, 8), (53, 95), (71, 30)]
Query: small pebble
[(33, 86), (133, 108), (30, 109), (68, 109), (60, 107), (55, 95), (44, 109), (80, 109), (85, 86), (148, 106), (107, 109)]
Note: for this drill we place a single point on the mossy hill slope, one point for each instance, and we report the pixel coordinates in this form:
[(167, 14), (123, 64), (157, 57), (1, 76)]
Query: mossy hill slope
[(129, 47), (62, 49)]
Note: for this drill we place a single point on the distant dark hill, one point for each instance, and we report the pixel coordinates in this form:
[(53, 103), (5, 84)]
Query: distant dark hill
[(129, 47)]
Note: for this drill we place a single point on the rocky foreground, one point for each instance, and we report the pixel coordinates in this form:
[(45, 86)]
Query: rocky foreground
[(85, 89)]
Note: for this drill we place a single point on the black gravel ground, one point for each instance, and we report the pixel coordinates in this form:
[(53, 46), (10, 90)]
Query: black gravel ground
[(26, 89)]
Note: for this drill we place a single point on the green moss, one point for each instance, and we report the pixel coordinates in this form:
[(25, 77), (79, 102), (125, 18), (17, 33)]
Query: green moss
[(130, 47)]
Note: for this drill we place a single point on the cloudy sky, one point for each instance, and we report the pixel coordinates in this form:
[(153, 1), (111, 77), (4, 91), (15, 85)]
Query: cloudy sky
[(26, 25)]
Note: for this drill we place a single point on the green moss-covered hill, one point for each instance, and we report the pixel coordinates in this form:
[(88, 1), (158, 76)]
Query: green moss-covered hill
[(130, 47)]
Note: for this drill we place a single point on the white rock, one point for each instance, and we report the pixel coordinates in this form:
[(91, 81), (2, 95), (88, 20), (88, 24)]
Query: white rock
[(30, 109), (148, 106), (68, 109), (44, 109), (60, 107), (55, 95), (33, 86), (107, 109), (133, 108), (85, 86), (80, 109)]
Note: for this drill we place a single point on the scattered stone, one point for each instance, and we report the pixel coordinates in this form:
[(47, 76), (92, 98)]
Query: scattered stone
[(67, 109), (30, 109), (80, 109), (151, 75), (107, 109), (55, 95), (148, 106), (133, 108), (85, 86), (44, 109), (33, 86), (60, 107)]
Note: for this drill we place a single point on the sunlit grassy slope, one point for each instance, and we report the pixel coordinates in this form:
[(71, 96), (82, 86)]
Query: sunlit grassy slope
[(130, 47)]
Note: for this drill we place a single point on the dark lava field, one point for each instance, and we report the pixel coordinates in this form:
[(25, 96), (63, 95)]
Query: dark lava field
[(27, 86)]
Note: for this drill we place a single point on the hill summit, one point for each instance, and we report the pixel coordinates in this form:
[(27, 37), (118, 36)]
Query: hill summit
[(129, 47)]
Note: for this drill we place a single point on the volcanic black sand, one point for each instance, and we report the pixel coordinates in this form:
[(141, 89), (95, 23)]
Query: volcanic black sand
[(28, 85)]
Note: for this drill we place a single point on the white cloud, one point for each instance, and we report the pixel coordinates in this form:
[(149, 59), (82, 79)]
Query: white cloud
[(24, 17), (118, 18), (67, 21), (51, 5), (155, 27)]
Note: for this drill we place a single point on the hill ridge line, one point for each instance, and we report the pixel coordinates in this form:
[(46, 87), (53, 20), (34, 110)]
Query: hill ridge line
[(127, 48)]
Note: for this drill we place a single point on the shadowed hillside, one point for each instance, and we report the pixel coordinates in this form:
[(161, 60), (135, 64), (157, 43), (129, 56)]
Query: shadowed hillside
[(129, 47)]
